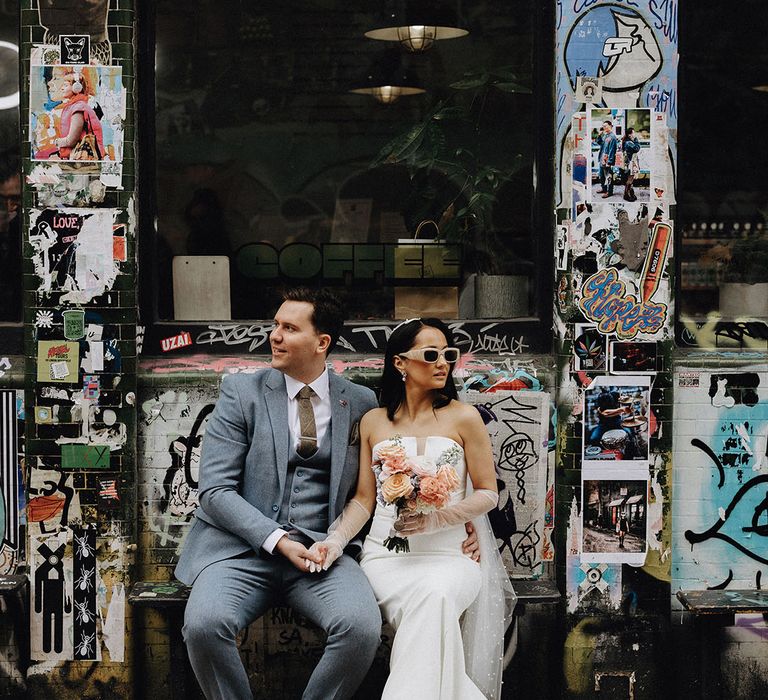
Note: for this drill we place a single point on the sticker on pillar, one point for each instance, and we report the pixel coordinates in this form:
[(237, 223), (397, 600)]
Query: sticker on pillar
[(616, 424), (589, 348), (77, 456), (73, 251), (51, 597), (119, 248), (109, 493), (57, 361), (592, 586), (176, 342), (653, 269), (74, 323), (614, 520), (75, 49), (563, 236), (44, 415), (633, 358), (589, 90), (581, 157), (605, 300), (663, 174), (91, 386), (76, 114), (84, 592)]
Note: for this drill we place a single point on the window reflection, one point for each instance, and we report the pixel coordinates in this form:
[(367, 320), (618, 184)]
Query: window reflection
[(10, 166), (265, 157)]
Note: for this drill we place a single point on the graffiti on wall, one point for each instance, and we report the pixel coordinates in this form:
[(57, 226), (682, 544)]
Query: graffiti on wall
[(171, 429), (518, 423), (721, 492)]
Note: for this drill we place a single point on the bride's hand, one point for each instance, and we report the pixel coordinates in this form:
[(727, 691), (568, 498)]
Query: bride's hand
[(328, 552), (412, 523), (320, 552)]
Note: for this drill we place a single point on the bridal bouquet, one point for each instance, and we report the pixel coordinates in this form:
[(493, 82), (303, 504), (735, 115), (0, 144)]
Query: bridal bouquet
[(412, 484)]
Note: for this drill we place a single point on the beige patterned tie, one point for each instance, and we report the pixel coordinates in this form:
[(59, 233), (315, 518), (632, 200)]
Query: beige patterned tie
[(308, 430)]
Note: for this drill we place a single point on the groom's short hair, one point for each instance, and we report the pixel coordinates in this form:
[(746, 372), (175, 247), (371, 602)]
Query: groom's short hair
[(329, 313)]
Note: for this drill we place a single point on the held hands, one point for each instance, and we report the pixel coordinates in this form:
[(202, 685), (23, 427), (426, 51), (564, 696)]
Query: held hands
[(298, 554), (328, 552), (342, 530)]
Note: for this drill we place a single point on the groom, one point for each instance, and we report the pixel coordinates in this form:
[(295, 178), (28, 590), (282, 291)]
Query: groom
[(279, 463)]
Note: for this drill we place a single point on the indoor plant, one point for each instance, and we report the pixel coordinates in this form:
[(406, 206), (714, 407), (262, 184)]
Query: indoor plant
[(457, 187)]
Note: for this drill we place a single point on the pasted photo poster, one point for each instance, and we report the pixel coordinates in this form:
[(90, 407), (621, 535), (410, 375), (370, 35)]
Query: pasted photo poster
[(616, 423), (621, 154), (615, 520), (76, 113)]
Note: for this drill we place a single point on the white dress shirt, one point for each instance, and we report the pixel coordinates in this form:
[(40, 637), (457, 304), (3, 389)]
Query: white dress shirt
[(321, 404)]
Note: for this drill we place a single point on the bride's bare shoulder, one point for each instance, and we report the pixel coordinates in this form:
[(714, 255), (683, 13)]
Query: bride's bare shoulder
[(374, 417)]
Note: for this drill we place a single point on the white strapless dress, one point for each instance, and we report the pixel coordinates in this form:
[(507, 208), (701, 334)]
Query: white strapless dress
[(422, 594)]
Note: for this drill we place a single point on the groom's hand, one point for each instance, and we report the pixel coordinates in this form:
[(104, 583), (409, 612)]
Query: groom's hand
[(297, 553), (470, 546)]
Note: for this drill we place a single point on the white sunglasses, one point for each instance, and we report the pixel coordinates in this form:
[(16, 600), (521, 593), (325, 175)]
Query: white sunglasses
[(432, 355)]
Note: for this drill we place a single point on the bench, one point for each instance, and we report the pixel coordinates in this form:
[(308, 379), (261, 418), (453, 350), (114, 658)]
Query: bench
[(170, 599), (13, 590), (712, 610)]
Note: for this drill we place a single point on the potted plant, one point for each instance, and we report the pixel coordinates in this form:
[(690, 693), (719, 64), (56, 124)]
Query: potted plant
[(457, 188), (744, 289)]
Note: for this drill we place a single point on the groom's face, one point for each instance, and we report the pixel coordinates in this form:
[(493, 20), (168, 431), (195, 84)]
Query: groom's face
[(297, 347)]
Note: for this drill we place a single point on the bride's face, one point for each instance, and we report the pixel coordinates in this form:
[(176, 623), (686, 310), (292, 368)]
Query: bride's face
[(427, 375)]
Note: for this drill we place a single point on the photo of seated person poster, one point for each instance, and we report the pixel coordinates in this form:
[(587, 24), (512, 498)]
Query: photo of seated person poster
[(616, 422)]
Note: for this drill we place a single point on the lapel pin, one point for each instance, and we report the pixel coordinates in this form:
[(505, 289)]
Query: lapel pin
[(343, 403)]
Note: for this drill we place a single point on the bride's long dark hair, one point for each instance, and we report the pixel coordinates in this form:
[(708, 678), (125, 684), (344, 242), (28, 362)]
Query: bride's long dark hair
[(402, 340)]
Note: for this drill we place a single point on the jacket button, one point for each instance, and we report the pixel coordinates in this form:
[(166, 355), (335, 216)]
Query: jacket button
[(293, 505), (275, 508), (296, 490), (300, 473)]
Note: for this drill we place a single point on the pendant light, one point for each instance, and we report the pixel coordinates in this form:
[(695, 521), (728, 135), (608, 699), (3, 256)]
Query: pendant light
[(387, 79), (417, 25)]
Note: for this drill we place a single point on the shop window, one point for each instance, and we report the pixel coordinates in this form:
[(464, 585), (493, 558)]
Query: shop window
[(275, 164), (723, 198)]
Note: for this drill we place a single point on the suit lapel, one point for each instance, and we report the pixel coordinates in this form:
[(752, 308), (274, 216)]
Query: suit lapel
[(276, 398), (339, 432)]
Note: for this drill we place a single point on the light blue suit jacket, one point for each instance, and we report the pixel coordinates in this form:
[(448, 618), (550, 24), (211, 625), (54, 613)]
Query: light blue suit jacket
[(244, 465)]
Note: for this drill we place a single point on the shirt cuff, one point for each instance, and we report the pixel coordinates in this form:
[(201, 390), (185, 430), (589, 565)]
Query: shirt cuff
[(272, 540)]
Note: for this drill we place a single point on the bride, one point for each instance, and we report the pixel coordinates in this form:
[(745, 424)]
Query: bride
[(423, 593)]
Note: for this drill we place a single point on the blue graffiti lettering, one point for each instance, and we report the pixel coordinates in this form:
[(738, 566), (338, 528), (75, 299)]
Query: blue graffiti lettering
[(665, 12), (661, 100)]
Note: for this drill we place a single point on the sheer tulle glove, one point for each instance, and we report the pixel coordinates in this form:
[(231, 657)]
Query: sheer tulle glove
[(341, 531), (473, 506)]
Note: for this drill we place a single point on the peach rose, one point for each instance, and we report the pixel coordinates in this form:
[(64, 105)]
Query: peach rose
[(433, 491), (396, 486), (393, 459), (421, 465), (447, 474)]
